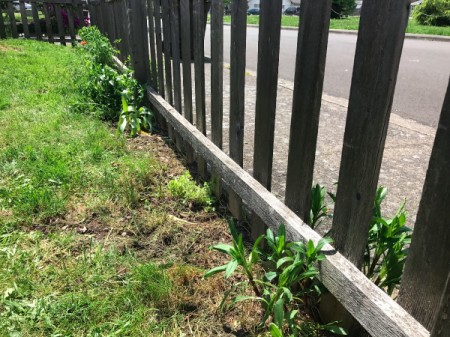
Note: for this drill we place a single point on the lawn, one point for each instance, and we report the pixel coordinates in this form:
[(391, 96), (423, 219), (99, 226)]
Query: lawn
[(92, 242), (352, 23)]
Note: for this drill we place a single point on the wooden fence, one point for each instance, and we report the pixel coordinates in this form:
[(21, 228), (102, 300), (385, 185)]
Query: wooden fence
[(55, 21), (161, 37)]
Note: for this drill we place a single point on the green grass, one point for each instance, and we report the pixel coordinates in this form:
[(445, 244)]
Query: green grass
[(352, 23), (92, 243)]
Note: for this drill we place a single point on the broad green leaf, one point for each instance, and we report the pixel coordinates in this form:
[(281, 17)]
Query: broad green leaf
[(223, 248), (275, 331), (335, 329), (270, 275), (278, 312), (246, 298), (215, 271), (283, 260), (231, 267)]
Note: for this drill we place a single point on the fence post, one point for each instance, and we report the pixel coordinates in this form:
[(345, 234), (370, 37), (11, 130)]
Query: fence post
[(378, 50), (137, 39), (2, 26), (428, 262), (309, 72)]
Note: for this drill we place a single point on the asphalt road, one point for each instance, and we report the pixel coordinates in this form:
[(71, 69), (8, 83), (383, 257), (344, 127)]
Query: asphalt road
[(422, 79)]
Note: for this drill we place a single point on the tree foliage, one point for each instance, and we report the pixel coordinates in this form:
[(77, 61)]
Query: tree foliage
[(433, 13), (342, 8)]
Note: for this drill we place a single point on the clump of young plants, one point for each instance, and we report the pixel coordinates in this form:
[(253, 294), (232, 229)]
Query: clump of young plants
[(388, 239), (281, 277), (387, 246), (112, 95), (189, 193)]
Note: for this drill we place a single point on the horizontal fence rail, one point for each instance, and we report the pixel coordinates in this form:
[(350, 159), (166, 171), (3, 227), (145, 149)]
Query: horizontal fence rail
[(55, 21), (164, 40)]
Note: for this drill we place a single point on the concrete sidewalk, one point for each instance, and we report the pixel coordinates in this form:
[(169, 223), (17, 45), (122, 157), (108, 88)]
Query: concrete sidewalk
[(405, 160)]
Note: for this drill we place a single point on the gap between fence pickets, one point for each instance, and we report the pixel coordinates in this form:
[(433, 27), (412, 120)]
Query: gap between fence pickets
[(379, 314)]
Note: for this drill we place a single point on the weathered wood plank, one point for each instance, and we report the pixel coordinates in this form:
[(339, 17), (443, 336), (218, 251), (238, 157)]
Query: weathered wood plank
[(48, 24), (166, 46), (138, 39), (375, 310), (266, 89), (309, 73), (12, 20), (2, 26), (151, 32), (237, 79), (199, 65), (441, 325), (428, 263), (70, 13), (380, 42), (23, 16), (186, 57), (60, 23), (175, 42), (37, 23), (159, 48), (217, 72)]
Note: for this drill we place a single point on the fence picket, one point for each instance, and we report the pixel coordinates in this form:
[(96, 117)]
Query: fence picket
[(199, 65), (151, 32), (186, 57), (48, 24), (441, 325), (309, 73), (216, 72), (70, 13), (60, 23), (2, 25), (12, 20), (427, 266), (37, 22), (23, 15), (370, 103), (175, 42), (166, 47), (159, 48)]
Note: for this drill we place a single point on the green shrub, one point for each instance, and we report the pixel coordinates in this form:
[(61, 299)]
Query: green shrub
[(342, 8), (97, 46), (433, 13)]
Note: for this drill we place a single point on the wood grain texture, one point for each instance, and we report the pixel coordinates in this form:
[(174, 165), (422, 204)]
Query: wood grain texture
[(428, 263), (60, 24), (375, 310), (48, 24), (199, 65), (308, 83), (138, 39), (186, 57), (2, 25), (217, 72), (266, 89), (151, 33), (166, 45), (37, 23), (378, 50), (441, 325), (23, 16), (175, 42), (237, 79), (159, 48)]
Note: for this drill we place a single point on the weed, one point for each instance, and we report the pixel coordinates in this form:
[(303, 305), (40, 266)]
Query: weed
[(186, 189), (134, 118), (286, 281)]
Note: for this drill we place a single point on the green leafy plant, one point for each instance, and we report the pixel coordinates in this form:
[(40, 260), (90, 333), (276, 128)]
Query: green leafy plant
[(96, 46), (319, 209), (281, 277), (342, 8), (187, 190), (433, 13), (134, 118), (387, 246)]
